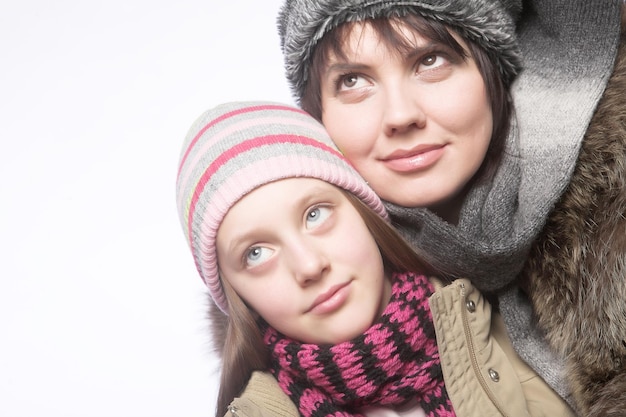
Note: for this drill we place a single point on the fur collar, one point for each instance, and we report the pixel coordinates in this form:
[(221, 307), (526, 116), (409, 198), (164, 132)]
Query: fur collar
[(576, 271)]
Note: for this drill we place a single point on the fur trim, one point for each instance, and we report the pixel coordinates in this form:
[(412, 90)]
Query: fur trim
[(489, 23), (577, 267)]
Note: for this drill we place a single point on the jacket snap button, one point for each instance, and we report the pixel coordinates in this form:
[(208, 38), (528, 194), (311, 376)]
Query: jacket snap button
[(471, 307), (495, 376)]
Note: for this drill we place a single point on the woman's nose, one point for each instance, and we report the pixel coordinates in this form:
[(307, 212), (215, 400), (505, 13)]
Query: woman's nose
[(402, 111)]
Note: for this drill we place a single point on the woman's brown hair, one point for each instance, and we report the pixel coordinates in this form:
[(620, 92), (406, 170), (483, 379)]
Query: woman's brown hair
[(237, 337), (389, 32)]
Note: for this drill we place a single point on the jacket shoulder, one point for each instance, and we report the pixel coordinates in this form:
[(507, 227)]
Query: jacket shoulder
[(262, 397)]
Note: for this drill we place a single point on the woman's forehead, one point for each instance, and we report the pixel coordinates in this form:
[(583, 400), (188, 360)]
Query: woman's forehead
[(397, 35), (393, 36)]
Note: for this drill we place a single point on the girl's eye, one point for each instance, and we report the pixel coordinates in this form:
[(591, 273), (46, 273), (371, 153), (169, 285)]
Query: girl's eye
[(316, 216), (257, 255)]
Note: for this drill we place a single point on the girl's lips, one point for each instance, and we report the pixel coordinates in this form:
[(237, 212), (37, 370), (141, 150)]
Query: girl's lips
[(414, 160), (331, 300)]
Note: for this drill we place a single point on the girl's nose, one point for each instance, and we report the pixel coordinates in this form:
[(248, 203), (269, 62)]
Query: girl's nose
[(309, 262), (402, 111)]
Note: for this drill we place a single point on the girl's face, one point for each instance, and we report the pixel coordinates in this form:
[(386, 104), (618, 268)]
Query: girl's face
[(417, 126), (299, 254)]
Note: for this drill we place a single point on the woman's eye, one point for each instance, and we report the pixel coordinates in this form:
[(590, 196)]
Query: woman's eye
[(257, 255), (349, 82), (316, 216), (431, 61)]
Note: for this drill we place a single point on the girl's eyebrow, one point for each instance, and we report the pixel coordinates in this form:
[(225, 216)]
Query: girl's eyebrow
[(241, 238), (234, 245)]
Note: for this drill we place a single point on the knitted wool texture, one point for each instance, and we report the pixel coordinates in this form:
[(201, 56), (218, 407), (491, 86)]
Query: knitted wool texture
[(393, 362), (237, 147)]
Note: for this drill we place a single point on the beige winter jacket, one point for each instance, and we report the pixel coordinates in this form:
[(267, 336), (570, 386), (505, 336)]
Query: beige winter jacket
[(483, 374)]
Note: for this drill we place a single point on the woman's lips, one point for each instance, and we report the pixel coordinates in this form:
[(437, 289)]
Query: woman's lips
[(416, 159), (331, 300)]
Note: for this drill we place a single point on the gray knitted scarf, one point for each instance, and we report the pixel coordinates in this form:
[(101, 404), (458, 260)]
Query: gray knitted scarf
[(568, 49)]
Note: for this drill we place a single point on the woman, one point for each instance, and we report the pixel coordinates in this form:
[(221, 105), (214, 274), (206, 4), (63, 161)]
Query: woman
[(496, 219)]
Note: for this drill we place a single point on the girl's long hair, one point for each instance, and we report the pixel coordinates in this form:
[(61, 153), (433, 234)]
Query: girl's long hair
[(237, 337)]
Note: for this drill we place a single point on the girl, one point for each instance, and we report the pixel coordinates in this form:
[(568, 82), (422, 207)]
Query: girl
[(415, 94), (320, 307)]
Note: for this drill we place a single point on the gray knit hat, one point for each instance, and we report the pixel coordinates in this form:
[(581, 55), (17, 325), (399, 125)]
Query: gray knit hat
[(237, 147), (488, 23)]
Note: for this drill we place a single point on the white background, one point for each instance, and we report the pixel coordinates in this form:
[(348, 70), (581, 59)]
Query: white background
[(101, 309)]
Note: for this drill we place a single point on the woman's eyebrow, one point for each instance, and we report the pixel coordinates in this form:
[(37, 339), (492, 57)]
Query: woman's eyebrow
[(345, 66), (425, 48)]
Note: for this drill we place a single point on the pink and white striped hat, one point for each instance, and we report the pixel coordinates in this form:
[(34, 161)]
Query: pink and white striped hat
[(237, 147)]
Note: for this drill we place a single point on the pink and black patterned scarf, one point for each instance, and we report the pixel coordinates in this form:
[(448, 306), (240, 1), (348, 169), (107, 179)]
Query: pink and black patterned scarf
[(395, 361)]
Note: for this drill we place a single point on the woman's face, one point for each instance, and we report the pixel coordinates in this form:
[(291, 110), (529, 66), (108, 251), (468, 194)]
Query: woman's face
[(416, 126), (301, 256)]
